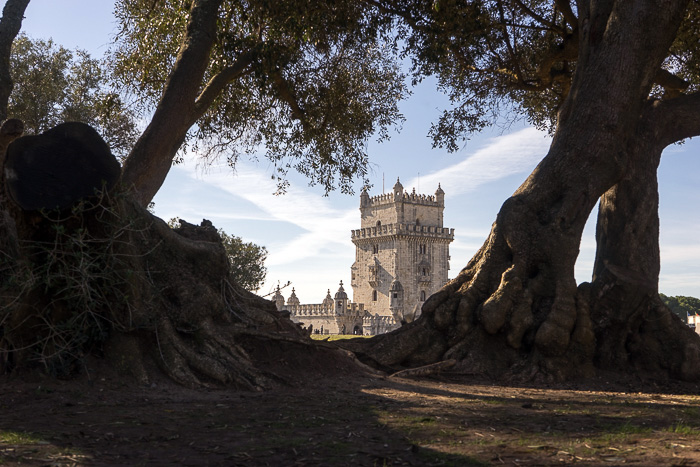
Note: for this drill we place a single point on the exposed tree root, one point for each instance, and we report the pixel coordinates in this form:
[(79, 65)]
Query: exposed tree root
[(637, 333), (163, 296)]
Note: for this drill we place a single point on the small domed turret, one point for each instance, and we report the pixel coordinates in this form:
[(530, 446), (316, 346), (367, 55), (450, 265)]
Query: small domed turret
[(398, 188), (340, 294), (341, 300), (278, 298), (293, 300), (364, 197), (328, 301), (440, 195)]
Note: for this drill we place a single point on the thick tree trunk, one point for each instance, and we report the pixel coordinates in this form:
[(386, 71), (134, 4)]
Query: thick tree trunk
[(109, 278), (515, 309), (634, 330)]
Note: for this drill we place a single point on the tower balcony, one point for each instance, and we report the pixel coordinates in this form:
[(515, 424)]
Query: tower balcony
[(400, 229)]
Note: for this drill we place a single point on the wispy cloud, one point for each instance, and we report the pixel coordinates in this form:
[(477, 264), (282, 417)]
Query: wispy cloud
[(321, 222), (499, 158)]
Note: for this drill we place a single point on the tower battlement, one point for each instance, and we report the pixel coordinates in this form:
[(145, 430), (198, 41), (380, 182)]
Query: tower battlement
[(412, 198), (411, 230)]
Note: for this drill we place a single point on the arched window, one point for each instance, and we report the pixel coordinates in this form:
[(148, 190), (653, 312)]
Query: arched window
[(425, 272), (375, 249), (422, 295), (417, 221), (374, 295), (379, 223)]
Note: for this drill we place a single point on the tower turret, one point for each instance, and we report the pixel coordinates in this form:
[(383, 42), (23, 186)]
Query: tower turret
[(440, 196), (341, 300), (440, 199), (293, 300), (328, 301), (398, 189), (364, 197), (396, 301)]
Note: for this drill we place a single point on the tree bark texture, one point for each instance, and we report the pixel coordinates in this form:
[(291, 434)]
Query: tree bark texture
[(10, 24), (110, 279), (515, 308)]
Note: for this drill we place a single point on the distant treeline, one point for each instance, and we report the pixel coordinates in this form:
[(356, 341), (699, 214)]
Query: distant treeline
[(682, 306)]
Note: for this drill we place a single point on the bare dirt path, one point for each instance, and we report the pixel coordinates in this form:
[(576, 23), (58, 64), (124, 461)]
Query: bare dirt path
[(358, 420)]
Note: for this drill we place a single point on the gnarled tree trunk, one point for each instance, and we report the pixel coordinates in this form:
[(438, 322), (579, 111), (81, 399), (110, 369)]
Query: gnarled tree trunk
[(515, 308)]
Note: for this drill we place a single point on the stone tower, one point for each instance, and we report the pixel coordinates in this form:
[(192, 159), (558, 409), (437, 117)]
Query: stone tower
[(401, 252)]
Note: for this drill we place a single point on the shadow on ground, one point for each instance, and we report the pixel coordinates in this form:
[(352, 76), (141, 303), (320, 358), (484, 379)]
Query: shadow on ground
[(357, 420)]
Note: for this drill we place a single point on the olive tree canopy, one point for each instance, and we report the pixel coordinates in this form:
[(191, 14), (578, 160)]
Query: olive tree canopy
[(303, 83)]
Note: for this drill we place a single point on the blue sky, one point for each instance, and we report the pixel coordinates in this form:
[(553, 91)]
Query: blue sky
[(308, 235)]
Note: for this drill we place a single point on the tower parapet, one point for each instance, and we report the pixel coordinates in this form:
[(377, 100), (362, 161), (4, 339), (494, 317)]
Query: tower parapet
[(413, 198), (386, 230)]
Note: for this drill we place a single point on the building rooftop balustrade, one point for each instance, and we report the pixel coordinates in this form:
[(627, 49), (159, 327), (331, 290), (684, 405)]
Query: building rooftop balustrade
[(403, 229), (413, 198)]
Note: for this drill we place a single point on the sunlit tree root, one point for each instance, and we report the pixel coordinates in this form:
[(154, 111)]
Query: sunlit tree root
[(507, 329)]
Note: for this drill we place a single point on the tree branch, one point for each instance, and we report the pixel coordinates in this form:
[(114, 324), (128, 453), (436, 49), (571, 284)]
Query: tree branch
[(565, 8), (677, 119), (540, 19), (150, 160), (509, 46), (287, 95), (672, 84), (10, 24), (221, 80), (393, 10)]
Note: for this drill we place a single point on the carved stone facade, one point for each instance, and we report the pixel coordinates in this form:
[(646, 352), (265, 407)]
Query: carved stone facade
[(401, 258)]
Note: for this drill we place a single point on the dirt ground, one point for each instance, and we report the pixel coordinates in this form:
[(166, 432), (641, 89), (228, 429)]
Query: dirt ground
[(353, 420)]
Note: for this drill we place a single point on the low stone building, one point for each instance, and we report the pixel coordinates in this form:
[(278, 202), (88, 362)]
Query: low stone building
[(401, 258), (335, 315)]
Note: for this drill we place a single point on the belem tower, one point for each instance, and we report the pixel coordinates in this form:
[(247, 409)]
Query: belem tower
[(401, 258)]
